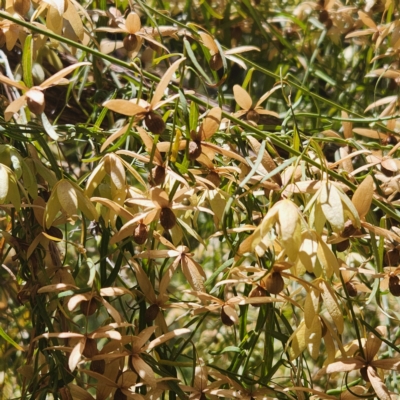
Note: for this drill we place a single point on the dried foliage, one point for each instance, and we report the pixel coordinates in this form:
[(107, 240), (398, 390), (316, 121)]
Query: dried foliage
[(199, 200)]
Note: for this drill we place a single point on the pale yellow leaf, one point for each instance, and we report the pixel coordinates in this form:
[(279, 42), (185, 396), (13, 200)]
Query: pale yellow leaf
[(168, 336), (57, 77), (242, 98), (209, 42), (362, 197), (376, 382), (53, 207), (143, 370), (210, 124), (297, 341), (14, 107), (331, 206), (332, 305), (290, 228), (132, 23), (327, 259), (159, 92), (125, 107), (76, 355), (311, 306), (314, 336)]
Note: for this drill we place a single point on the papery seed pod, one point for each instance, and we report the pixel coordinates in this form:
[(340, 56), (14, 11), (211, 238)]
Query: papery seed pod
[(35, 101), (225, 318), (258, 291), (157, 175), (194, 149), (214, 178), (216, 62), (253, 116), (167, 218), (155, 123), (130, 42), (343, 246), (274, 283), (394, 285), (88, 307), (351, 289), (140, 233), (151, 313), (203, 397), (90, 348), (98, 366), (118, 395)]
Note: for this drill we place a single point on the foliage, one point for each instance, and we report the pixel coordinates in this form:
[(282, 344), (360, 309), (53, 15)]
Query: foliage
[(199, 199)]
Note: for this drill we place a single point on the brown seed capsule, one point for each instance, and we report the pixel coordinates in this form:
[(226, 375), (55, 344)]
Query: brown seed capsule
[(157, 175), (155, 123), (236, 33), (343, 246), (329, 24), (323, 16), (194, 149), (151, 313), (140, 234), (274, 283), (253, 116), (258, 291), (55, 255), (167, 218), (364, 373), (324, 329), (118, 395), (394, 285), (216, 62), (98, 366), (351, 289), (214, 178), (225, 318), (391, 257), (2, 38), (55, 232), (21, 6), (35, 101), (90, 348), (349, 230), (88, 307), (130, 42)]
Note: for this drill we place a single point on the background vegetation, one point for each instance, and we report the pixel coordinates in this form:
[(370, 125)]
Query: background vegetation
[(199, 199)]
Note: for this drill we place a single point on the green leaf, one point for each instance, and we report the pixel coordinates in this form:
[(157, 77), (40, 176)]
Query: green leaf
[(9, 340), (27, 61), (227, 349)]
